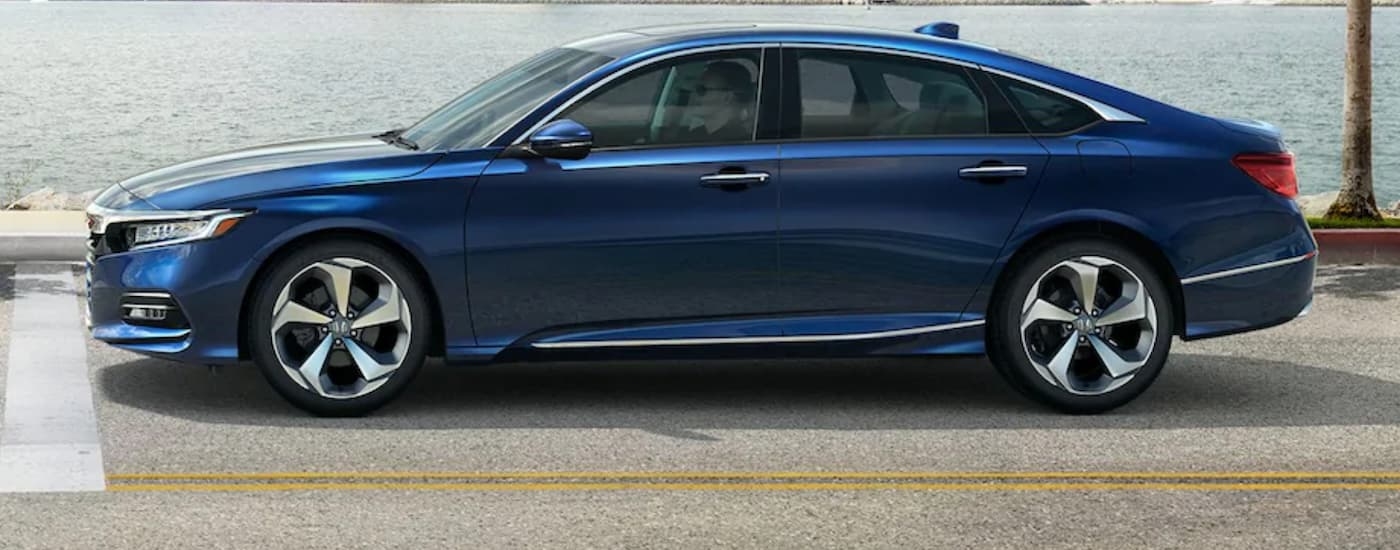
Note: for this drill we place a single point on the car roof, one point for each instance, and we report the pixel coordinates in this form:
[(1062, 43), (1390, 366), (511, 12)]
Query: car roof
[(640, 41)]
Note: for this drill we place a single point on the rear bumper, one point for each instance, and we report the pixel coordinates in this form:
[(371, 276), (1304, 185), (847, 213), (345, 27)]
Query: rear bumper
[(1248, 298)]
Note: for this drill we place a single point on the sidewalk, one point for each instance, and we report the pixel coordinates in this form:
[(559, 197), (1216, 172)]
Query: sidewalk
[(42, 236)]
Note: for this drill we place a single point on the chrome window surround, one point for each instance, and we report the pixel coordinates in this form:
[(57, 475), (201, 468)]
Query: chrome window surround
[(1248, 269), (100, 219), (886, 51), (1105, 111), (806, 338)]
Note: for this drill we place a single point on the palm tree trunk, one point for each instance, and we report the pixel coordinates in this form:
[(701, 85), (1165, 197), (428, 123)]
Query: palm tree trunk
[(1357, 198)]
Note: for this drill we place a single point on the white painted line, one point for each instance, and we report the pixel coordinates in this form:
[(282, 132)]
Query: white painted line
[(49, 440)]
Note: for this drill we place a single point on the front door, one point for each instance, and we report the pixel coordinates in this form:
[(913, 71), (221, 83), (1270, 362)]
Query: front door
[(667, 229)]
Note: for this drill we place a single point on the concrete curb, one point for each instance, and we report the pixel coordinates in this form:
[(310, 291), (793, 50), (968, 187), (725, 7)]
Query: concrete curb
[(1358, 246), (61, 237), (43, 236)]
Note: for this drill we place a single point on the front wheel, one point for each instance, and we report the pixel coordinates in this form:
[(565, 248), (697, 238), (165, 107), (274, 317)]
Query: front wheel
[(1083, 326), (339, 327)]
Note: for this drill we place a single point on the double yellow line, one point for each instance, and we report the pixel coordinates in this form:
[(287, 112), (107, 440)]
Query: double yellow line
[(755, 481)]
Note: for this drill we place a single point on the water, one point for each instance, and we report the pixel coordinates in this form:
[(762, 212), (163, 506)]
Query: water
[(91, 93)]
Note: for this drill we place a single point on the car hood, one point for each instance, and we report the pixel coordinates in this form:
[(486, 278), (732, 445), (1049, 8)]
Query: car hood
[(276, 168)]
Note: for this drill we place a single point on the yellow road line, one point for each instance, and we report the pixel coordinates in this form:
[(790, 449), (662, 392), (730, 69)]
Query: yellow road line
[(750, 475), (803, 486)]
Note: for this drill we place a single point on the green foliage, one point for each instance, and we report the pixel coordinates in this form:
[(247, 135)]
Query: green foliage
[(1352, 223)]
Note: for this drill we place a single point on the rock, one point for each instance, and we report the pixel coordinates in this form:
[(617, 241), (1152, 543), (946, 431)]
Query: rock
[(1393, 211), (47, 199), (1316, 205), (82, 200), (43, 199)]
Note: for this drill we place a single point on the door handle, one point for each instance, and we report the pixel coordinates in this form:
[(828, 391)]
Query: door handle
[(734, 181), (993, 171)]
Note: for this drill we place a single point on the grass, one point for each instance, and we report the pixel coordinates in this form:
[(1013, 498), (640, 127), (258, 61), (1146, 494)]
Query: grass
[(1350, 223)]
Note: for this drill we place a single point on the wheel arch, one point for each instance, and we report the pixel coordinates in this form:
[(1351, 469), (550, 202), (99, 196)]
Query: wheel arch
[(436, 340), (1111, 230)]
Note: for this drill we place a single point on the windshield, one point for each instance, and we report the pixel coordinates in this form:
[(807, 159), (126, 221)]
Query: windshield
[(471, 120)]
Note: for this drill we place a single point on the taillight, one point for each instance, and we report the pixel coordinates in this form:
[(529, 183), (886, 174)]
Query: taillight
[(1274, 171)]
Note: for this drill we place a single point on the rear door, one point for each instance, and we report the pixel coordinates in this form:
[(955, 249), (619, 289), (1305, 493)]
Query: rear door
[(902, 179)]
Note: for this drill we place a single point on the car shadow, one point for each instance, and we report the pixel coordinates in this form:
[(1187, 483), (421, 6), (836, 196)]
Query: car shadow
[(7, 282), (1371, 282), (681, 398)]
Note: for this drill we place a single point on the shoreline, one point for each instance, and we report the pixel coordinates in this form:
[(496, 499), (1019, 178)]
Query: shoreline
[(882, 3)]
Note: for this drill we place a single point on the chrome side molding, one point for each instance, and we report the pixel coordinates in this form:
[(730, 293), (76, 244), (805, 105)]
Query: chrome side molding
[(807, 338), (1247, 269)]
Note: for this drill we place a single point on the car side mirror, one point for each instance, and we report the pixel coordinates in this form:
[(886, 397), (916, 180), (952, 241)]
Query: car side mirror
[(562, 139)]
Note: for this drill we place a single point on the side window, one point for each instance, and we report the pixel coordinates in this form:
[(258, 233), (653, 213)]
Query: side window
[(889, 95), (709, 98), (1045, 112)]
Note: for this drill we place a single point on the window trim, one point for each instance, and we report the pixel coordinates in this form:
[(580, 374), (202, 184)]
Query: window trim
[(758, 47), (879, 50), (1105, 112)]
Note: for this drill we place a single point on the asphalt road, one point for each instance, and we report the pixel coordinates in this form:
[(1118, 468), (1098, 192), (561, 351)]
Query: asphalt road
[(1285, 437)]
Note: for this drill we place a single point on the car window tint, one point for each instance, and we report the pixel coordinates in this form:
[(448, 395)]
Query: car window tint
[(890, 96), (905, 92), (710, 98), (1043, 111), (828, 88)]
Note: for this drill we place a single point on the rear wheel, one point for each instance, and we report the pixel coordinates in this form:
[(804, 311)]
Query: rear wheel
[(339, 328), (1083, 326)]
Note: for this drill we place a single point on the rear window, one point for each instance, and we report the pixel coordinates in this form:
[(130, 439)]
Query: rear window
[(1043, 111)]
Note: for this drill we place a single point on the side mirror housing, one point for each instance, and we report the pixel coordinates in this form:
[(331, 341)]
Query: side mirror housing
[(562, 139)]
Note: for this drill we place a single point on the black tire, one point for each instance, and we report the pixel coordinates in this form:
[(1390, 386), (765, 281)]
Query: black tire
[(263, 307), (1006, 344)]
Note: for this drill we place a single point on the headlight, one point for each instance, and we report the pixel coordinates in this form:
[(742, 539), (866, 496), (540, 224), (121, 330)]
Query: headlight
[(122, 230), (145, 233), (142, 234)]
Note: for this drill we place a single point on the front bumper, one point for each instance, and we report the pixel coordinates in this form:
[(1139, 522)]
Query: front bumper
[(204, 280)]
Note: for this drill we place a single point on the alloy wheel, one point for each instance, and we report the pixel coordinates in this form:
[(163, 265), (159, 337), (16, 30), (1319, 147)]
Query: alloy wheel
[(1088, 325), (341, 328)]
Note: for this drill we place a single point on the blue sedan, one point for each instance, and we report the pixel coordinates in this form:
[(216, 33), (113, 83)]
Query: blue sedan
[(708, 191)]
